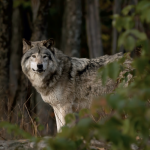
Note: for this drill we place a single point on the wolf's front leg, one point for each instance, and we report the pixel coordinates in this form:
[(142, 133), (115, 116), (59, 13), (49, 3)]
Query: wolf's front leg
[(60, 112)]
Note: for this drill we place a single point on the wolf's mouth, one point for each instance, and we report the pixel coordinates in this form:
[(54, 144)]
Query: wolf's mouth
[(38, 70)]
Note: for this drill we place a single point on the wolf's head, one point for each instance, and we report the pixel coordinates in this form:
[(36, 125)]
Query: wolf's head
[(38, 57)]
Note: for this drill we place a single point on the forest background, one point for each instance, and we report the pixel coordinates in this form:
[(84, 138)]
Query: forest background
[(80, 28)]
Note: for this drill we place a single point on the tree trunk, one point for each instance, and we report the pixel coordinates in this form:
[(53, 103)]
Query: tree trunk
[(116, 10), (40, 13), (41, 110), (71, 30), (93, 28), (18, 83), (16, 52), (5, 42)]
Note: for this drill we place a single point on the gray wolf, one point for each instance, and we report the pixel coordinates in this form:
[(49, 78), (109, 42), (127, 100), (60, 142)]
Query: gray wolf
[(68, 84)]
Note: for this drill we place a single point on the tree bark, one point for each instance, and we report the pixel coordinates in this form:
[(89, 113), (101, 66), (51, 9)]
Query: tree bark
[(18, 83), (5, 42), (40, 13), (71, 30), (42, 111), (16, 52), (93, 28)]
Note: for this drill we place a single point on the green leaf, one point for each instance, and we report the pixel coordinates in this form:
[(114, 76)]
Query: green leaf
[(113, 70), (129, 43), (83, 113), (142, 5), (69, 118), (121, 39), (124, 23), (138, 34), (129, 38), (126, 10), (141, 64)]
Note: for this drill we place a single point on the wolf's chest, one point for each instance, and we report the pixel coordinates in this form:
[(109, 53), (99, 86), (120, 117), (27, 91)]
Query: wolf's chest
[(36, 80), (55, 96)]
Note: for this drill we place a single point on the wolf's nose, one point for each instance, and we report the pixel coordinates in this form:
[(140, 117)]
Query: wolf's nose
[(39, 66)]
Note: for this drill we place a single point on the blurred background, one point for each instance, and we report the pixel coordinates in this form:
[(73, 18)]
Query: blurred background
[(80, 28)]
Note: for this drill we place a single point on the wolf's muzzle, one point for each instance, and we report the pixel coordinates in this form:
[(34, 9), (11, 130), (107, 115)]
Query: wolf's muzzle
[(40, 66)]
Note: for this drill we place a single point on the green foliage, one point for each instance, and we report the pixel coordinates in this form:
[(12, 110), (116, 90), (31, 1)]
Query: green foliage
[(130, 38), (111, 70), (23, 3), (127, 9), (10, 128), (143, 9)]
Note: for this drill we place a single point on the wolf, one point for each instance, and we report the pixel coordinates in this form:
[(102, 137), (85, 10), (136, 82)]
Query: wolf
[(68, 84)]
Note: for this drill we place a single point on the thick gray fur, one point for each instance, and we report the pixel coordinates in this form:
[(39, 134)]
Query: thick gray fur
[(68, 84)]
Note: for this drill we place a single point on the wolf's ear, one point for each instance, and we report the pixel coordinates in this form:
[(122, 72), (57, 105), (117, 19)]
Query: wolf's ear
[(48, 43), (26, 45)]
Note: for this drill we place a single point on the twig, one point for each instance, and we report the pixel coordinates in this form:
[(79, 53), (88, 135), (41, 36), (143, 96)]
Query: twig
[(35, 126)]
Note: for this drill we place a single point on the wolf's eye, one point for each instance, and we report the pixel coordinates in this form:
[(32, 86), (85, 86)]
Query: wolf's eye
[(44, 56), (33, 56)]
